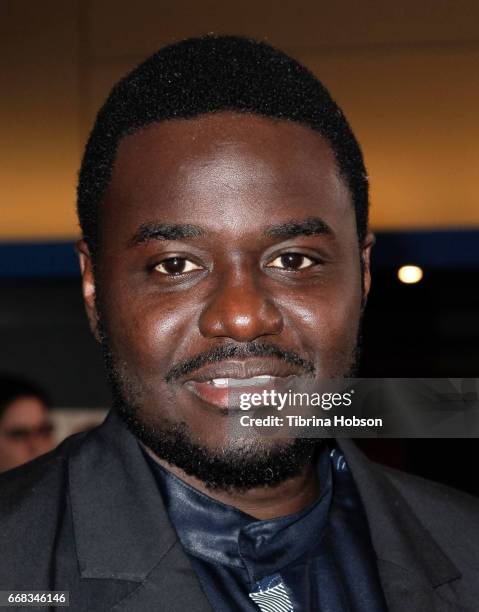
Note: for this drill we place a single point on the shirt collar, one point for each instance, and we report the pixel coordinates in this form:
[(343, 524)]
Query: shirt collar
[(222, 534)]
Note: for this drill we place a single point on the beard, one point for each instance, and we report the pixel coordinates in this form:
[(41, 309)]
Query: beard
[(240, 464), (234, 468)]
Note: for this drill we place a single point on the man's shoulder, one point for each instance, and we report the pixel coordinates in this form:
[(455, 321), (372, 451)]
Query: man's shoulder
[(33, 499), (427, 497), (450, 516)]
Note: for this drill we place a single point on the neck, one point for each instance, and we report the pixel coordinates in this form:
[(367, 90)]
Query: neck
[(262, 503)]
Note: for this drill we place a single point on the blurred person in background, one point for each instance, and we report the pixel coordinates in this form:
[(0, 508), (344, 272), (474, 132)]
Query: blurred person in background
[(26, 430)]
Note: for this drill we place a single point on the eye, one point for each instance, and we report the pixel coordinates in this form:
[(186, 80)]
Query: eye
[(292, 261), (174, 266)]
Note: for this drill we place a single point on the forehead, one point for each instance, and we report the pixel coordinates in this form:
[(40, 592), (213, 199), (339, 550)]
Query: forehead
[(221, 167), (24, 410)]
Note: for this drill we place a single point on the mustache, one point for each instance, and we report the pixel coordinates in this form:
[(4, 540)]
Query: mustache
[(243, 351)]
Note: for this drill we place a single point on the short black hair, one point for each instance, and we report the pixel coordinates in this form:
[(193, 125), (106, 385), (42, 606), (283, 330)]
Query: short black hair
[(210, 74)]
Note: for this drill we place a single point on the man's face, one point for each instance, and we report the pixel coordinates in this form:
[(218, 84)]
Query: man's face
[(26, 432), (228, 250)]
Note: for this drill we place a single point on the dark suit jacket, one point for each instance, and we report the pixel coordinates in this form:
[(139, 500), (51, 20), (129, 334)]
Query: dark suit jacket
[(89, 518)]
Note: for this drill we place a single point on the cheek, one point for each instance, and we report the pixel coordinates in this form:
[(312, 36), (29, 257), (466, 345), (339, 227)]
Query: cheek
[(46, 445), (13, 452), (4, 451), (147, 333), (327, 319)]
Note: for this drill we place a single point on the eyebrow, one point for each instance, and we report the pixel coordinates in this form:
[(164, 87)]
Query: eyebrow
[(313, 226), (165, 231)]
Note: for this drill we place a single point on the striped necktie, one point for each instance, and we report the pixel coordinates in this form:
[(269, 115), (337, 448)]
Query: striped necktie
[(271, 595)]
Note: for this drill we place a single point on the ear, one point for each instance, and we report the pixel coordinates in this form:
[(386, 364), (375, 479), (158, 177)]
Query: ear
[(88, 286), (366, 265)]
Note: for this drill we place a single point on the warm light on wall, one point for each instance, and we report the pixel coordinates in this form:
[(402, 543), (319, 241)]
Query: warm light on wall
[(410, 274)]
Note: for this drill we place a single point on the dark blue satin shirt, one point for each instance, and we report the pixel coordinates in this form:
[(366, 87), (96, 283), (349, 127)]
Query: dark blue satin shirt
[(319, 559)]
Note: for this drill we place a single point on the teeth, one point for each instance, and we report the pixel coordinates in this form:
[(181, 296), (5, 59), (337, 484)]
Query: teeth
[(219, 382), (239, 382)]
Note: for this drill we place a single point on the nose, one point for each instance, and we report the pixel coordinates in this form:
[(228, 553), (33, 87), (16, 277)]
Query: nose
[(240, 310)]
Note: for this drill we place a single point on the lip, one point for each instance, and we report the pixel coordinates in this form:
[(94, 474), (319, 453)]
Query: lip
[(228, 397), (243, 369)]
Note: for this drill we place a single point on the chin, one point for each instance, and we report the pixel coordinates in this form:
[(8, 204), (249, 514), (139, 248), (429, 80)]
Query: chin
[(229, 463)]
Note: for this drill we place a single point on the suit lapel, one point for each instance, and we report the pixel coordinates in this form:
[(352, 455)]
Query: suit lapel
[(121, 528), (405, 590), (415, 572), (171, 585)]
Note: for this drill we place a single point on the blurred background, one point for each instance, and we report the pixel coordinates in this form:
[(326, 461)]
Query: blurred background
[(407, 76)]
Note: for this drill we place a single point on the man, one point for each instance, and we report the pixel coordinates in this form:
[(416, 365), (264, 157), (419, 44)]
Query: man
[(26, 430), (223, 203)]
